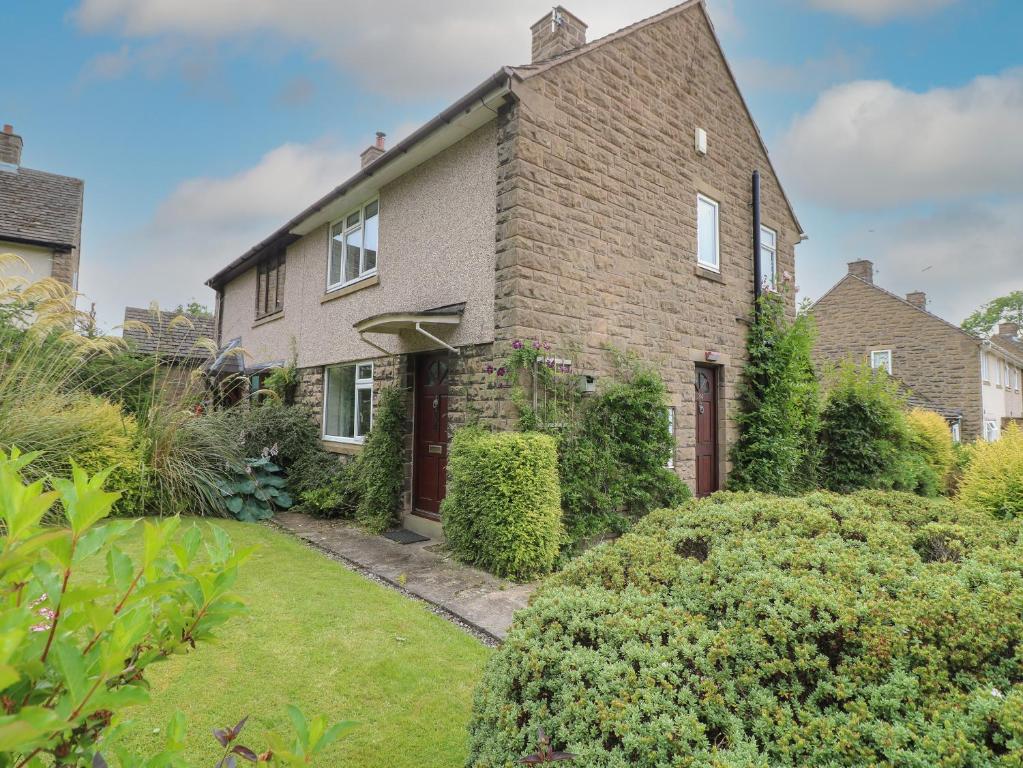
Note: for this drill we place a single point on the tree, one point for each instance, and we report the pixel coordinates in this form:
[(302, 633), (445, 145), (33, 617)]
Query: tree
[(1004, 309), (193, 308), (779, 404)]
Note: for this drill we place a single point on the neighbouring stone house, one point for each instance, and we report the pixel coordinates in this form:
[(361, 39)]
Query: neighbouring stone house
[(40, 217), (601, 195), (180, 343), (973, 382)]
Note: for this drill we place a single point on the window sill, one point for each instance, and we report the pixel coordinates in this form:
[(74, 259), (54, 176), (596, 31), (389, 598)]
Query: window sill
[(709, 274), (334, 446), (337, 293), (268, 319)]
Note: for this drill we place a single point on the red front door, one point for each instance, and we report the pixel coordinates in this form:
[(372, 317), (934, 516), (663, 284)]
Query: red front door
[(706, 430), (430, 462)]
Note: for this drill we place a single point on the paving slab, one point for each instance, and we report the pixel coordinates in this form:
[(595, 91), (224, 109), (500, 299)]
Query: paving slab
[(425, 569)]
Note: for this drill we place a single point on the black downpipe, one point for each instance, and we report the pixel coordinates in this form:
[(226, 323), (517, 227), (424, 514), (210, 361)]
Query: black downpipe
[(758, 277)]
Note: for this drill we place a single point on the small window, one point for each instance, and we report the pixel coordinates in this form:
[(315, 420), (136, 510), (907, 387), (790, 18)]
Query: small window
[(708, 249), (270, 285), (990, 431), (671, 431), (354, 242), (347, 402), (985, 372), (769, 258), (957, 432), (881, 358), (998, 372)]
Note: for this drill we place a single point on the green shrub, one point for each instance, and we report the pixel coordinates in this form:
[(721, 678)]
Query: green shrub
[(931, 437), (613, 468), (864, 435), (291, 429), (381, 465), (503, 505), (336, 495), (993, 481), (778, 417), (744, 630), (257, 491)]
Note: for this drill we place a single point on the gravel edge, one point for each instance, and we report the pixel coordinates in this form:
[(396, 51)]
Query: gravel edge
[(485, 637)]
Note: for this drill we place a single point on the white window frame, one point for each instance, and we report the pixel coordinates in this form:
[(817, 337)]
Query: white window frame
[(957, 432), (361, 383), (998, 372), (891, 363), (985, 368), (716, 266), (671, 431), (769, 281), (345, 230), (991, 431)]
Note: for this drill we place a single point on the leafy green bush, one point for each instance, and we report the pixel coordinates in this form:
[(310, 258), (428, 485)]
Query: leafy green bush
[(338, 497), (381, 465), (779, 405), (864, 435), (503, 505), (931, 437), (289, 429), (993, 481), (257, 492), (744, 630)]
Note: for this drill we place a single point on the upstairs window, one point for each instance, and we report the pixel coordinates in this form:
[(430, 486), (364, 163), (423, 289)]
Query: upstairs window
[(769, 258), (708, 249), (347, 402), (353, 246), (270, 285), (985, 372), (881, 359)]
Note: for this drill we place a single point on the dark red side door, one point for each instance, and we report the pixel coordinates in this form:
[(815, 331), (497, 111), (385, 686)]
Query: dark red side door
[(430, 456), (706, 430)]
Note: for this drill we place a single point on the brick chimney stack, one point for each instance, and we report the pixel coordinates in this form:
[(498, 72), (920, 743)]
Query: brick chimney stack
[(557, 32), (917, 299), (1008, 329), (10, 146), (863, 269), (373, 151)]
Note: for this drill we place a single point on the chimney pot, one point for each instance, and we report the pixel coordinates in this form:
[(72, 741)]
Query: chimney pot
[(863, 269), (10, 146), (917, 299), (1008, 329), (557, 32), (373, 151)]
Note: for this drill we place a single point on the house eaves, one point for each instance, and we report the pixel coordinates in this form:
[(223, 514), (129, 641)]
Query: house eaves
[(462, 118)]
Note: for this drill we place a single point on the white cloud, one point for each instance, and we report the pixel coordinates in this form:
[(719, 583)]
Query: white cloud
[(204, 223), (810, 76), (400, 47), (961, 255), (875, 11), (870, 144)]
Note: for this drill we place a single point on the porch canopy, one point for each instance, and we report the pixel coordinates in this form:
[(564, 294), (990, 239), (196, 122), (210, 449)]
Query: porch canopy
[(424, 323)]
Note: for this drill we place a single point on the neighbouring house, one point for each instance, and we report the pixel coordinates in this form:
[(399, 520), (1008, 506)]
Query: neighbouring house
[(614, 192), (40, 217), (973, 382), (179, 342)]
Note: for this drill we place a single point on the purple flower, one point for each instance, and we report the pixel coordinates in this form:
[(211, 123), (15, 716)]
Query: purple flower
[(501, 371), (517, 344), (536, 344), (547, 345), (490, 369)]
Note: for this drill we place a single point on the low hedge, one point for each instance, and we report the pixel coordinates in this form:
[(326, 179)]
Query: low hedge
[(746, 630), (503, 506)]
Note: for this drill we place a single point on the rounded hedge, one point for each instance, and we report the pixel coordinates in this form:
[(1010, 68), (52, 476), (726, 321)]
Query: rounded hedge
[(744, 630), (993, 480), (502, 511)]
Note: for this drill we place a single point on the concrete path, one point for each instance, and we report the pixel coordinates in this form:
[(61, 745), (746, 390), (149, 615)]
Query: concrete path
[(426, 570)]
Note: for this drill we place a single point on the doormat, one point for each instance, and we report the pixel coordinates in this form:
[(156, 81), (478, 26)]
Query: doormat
[(405, 536)]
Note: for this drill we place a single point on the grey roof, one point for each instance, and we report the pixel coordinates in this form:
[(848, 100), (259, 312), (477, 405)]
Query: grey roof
[(1011, 344), (177, 341), (40, 207), (913, 400)]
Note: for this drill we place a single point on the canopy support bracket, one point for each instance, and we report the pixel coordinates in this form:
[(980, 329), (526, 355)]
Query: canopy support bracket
[(434, 339)]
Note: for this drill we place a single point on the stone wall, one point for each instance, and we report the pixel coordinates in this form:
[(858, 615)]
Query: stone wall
[(933, 358), (598, 177)]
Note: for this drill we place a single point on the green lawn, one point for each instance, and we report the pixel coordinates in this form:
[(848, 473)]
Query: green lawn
[(331, 642)]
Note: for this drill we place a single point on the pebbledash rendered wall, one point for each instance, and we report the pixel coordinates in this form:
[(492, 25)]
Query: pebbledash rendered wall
[(597, 185)]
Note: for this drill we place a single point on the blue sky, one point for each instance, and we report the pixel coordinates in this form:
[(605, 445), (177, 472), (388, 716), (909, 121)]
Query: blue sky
[(200, 125)]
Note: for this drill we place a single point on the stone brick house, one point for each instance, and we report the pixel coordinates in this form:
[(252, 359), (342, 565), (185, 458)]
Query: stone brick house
[(601, 195), (40, 217), (973, 382), (179, 342)]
